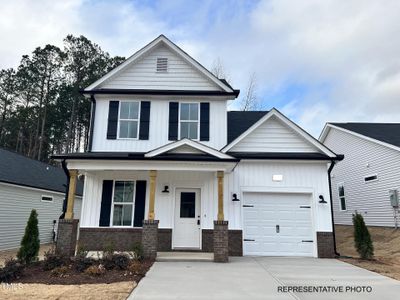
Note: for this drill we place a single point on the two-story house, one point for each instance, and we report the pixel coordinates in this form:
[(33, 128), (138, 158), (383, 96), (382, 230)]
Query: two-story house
[(170, 168)]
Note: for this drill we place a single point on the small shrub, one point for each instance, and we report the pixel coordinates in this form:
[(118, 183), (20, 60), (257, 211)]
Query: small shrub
[(108, 250), (362, 238), (81, 262), (52, 260), (60, 271), (81, 251), (138, 251), (95, 270), (121, 261), (137, 268), (30, 242), (12, 269)]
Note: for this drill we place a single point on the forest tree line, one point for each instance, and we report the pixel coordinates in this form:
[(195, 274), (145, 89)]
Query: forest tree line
[(42, 111)]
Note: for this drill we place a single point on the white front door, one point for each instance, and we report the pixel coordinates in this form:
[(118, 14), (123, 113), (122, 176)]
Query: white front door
[(278, 224), (187, 229)]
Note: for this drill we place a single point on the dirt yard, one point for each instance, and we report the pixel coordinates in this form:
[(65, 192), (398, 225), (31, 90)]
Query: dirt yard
[(112, 291), (386, 249)]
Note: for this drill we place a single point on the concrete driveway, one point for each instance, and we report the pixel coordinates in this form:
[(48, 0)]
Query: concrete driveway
[(260, 278)]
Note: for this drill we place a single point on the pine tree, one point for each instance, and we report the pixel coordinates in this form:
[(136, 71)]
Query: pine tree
[(362, 238), (30, 243)]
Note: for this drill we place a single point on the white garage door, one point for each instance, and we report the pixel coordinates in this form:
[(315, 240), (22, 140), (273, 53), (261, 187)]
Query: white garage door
[(277, 224)]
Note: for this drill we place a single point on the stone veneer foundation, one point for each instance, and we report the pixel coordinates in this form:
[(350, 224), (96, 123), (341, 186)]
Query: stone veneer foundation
[(221, 253), (325, 244), (66, 237)]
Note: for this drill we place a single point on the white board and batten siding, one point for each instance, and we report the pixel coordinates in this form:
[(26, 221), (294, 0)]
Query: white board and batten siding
[(363, 158), (273, 136), (142, 74), (159, 121), (309, 178), (16, 203)]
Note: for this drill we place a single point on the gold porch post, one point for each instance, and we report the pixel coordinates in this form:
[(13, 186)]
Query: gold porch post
[(69, 215), (220, 176), (153, 176)]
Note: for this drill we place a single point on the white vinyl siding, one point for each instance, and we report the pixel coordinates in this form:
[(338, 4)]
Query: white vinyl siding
[(273, 136), (364, 158), (158, 130), (143, 74), (16, 204)]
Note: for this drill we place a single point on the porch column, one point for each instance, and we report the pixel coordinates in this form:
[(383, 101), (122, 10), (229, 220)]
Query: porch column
[(220, 176), (69, 215), (153, 176), (150, 226), (220, 225)]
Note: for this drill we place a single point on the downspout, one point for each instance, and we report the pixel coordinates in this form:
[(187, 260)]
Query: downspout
[(331, 201), (92, 116), (64, 208)]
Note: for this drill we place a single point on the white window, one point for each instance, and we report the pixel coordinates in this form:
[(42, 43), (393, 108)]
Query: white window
[(342, 198), (46, 198), (189, 115), (123, 200), (370, 178), (128, 124)]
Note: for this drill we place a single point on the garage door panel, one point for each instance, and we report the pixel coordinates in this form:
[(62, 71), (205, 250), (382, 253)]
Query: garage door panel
[(291, 212)]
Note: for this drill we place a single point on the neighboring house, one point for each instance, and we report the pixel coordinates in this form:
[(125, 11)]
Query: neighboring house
[(27, 184), (164, 147), (363, 181)]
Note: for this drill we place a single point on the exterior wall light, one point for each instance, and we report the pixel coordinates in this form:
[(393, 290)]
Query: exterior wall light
[(235, 198), (166, 189), (322, 200)]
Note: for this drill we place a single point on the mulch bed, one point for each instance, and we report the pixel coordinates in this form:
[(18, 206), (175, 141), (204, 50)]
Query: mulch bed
[(35, 274)]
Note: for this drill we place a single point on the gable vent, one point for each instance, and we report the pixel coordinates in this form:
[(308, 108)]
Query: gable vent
[(162, 64)]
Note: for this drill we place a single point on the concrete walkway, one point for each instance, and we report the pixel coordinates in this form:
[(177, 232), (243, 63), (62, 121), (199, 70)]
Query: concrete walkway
[(259, 278)]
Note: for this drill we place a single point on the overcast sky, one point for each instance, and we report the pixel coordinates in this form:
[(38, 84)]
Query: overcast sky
[(315, 60)]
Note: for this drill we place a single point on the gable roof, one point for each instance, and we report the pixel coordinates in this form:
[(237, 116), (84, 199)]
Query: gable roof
[(197, 147), (387, 134), (290, 124), (21, 170), (240, 121), (221, 83)]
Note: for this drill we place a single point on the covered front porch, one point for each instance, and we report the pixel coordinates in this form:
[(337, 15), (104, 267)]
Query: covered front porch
[(157, 205)]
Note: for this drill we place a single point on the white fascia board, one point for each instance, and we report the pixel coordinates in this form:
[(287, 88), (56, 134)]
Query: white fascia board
[(123, 165), (147, 48), (34, 189), (190, 143), (324, 134), (290, 124)]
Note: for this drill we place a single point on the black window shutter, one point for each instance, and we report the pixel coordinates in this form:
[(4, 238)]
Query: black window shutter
[(204, 121), (144, 120), (106, 200), (112, 120), (173, 121), (140, 200)]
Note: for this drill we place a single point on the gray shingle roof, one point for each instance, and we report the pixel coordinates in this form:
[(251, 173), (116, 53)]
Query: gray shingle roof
[(18, 169), (384, 132), (240, 121)]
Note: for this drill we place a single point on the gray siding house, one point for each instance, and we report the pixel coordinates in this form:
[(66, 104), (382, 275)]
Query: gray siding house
[(369, 173), (27, 184)]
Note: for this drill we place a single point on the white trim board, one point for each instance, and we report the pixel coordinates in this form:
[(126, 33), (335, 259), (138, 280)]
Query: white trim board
[(33, 188), (290, 124), (186, 142), (328, 126), (139, 54)]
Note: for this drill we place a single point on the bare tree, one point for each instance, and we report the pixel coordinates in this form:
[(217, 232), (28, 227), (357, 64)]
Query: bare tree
[(249, 100), (219, 70)]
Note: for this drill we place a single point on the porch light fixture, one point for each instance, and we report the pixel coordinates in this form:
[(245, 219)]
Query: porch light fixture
[(166, 189), (322, 201), (235, 198)]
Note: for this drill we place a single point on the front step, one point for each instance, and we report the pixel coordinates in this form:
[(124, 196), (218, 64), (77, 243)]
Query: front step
[(176, 256)]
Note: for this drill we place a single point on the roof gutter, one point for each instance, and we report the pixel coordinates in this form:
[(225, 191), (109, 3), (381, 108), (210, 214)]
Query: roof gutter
[(64, 208), (333, 162)]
